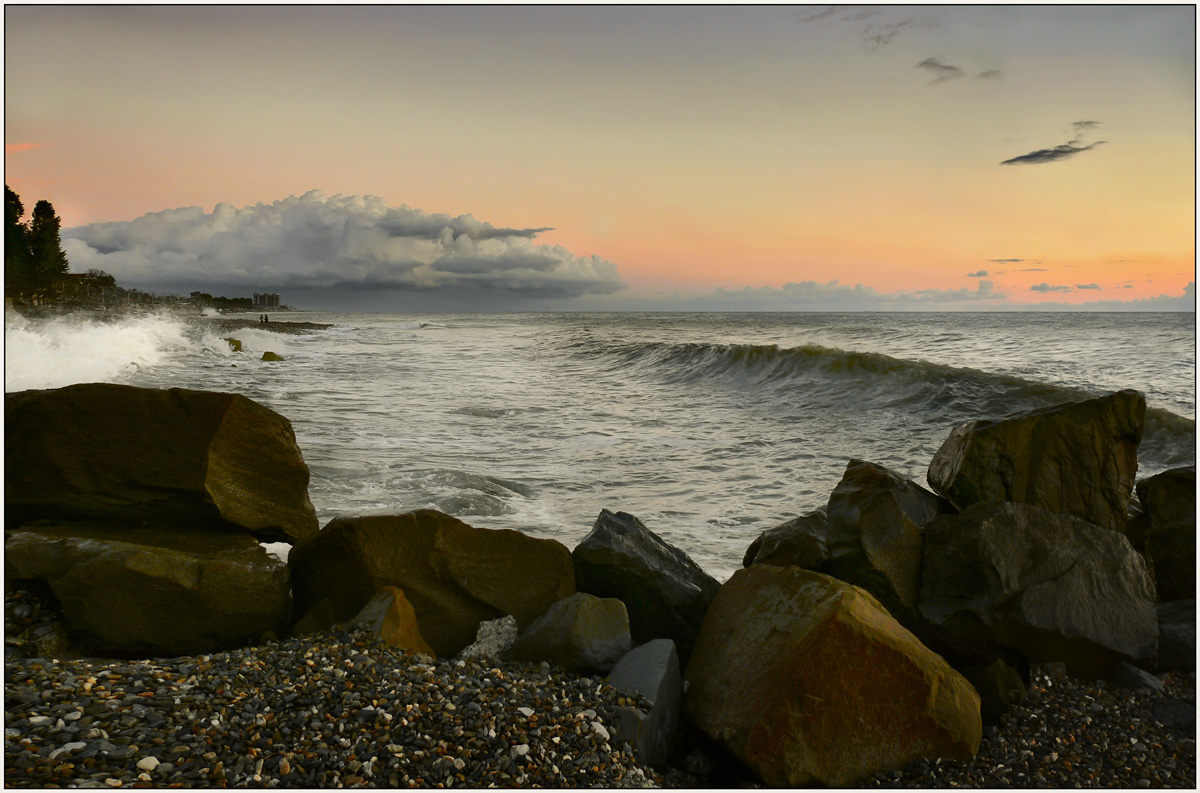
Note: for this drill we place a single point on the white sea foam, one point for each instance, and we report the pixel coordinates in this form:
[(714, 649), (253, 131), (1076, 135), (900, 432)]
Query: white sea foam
[(58, 352)]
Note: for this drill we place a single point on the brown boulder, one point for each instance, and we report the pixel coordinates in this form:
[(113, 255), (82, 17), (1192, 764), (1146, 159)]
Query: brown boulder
[(1079, 459), (875, 534), (193, 459), (1004, 576), (809, 681), (390, 617), (138, 591), (455, 575)]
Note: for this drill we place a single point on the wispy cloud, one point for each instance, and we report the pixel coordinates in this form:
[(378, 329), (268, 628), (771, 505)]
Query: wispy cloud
[(1060, 152), (1035, 270), (13, 148), (347, 243), (1006, 261), (980, 274), (989, 74), (873, 24), (1049, 288), (941, 71), (1087, 286)]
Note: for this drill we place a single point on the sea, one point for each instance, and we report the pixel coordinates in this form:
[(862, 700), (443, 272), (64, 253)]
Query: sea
[(710, 428)]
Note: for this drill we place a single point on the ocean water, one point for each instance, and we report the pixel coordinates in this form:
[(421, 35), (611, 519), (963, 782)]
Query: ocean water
[(708, 427)]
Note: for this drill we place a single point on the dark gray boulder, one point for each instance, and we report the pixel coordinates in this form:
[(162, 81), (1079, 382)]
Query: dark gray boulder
[(999, 687), (1168, 503), (799, 542), (1078, 458), (651, 670), (665, 592), (146, 591), (1177, 636), (1003, 576)]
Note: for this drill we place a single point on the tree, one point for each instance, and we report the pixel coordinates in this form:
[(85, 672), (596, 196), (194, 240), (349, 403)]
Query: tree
[(49, 260), (18, 262)]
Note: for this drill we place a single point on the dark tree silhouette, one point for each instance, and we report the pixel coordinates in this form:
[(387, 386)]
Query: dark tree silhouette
[(18, 278), (45, 246)]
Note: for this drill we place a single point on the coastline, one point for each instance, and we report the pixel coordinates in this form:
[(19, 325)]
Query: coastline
[(340, 709)]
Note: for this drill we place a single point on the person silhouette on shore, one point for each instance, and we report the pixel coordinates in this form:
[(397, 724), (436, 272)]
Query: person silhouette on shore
[(266, 319)]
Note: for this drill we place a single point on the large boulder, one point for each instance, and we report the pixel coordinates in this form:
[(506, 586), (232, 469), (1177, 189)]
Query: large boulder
[(666, 593), (876, 520), (193, 459), (1004, 576), (139, 591), (1169, 536), (456, 576), (1079, 458), (651, 670), (581, 633), (809, 681), (800, 542)]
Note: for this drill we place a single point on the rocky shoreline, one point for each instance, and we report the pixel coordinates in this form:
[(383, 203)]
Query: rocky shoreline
[(1029, 622), (269, 716)]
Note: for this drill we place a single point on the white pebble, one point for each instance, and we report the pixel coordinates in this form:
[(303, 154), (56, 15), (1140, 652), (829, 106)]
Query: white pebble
[(598, 728), (148, 763), (520, 750), (526, 712)]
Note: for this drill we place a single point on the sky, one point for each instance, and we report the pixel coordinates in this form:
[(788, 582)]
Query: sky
[(617, 157)]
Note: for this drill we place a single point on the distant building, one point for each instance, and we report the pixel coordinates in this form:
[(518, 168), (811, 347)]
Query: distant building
[(265, 300)]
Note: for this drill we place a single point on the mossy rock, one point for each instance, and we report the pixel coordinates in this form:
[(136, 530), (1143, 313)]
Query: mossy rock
[(270, 356), (234, 344)]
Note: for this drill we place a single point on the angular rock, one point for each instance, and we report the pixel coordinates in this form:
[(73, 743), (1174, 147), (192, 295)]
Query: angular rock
[(270, 356), (193, 459), (139, 591), (493, 639), (1130, 676), (391, 618), (1177, 636), (809, 681), (876, 522), (1003, 576), (454, 575), (581, 633), (651, 670), (1169, 509), (999, 687), (666, 593), (1079, 458), (799, 542)]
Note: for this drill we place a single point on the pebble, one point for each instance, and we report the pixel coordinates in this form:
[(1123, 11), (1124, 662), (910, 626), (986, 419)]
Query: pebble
[(277, 715), (1077, 733)]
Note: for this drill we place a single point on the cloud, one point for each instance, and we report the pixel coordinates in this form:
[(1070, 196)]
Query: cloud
[(13, 148), (1184, 302), (1087, 286), (874, 28), (1035, 270), (980, 274), (940, 71), (1005, 261), (1048, 288), (346, 244), (990, 74), (831, 296), (1061, 152)]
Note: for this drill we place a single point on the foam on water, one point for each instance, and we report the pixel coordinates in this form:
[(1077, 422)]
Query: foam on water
[(61, 351)]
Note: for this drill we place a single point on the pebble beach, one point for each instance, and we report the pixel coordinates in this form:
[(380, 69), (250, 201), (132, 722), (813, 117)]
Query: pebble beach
[(338, 709)]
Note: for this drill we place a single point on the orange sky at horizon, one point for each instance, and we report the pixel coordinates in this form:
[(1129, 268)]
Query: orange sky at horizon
[(694, 148)]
